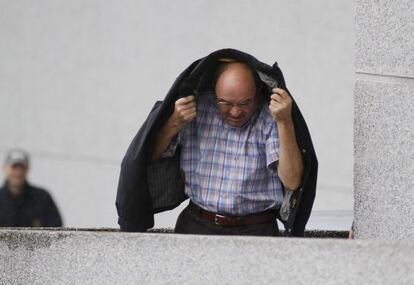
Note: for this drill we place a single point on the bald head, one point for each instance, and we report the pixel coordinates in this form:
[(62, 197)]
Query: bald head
[(236, 92), (235, 78)]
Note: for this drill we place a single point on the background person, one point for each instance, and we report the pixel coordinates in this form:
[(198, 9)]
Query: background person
[(21, 204)]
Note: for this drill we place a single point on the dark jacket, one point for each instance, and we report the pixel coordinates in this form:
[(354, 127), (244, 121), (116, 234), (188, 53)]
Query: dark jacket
[(146, 187), (33, 208)]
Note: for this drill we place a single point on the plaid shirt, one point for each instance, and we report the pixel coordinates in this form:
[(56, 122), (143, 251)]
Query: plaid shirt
[(229, 170)]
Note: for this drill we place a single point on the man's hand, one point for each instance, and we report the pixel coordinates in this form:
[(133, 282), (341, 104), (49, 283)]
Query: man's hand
[(280, 105), (184, 111)]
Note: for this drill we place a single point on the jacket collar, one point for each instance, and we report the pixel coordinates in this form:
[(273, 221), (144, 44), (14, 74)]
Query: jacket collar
[(270, 75)]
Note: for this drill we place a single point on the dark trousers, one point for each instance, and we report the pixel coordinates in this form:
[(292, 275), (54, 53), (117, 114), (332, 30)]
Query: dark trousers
[(189, 223)]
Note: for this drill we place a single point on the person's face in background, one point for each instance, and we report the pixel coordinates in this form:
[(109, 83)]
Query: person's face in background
[(235, 93), (16, 174)]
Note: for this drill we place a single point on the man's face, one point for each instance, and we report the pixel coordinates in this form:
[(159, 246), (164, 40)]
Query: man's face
[(16, 174), (236, 94)]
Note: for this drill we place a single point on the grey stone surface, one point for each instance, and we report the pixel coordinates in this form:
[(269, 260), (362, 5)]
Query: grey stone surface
[(383, 125), (384, 155), (48, 257), (308, 233), (384, 37)]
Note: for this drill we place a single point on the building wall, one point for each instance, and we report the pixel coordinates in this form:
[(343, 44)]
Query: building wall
[(384, 132), (77, 79)]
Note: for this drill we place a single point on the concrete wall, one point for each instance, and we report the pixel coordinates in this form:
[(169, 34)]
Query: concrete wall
[(384, 131), (77, 79), (48, 257)]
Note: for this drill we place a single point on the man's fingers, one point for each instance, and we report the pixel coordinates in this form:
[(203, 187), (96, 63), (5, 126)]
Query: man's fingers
[(191, 116), (188, 116), (189, 98), (185, 103), (280, 105), (185, 110), (274, 107), (187, 113), (185, 100), (280, 92), (182, 107), (274, 102), (276, 97)]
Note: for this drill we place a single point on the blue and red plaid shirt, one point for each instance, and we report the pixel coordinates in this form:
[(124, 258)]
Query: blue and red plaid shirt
[(229, 170)]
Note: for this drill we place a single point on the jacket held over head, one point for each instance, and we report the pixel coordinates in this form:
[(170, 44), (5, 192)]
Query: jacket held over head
[(148, 187)]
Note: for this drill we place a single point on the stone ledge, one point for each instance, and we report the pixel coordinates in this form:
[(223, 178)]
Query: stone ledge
[(111, 257), (308, 234)]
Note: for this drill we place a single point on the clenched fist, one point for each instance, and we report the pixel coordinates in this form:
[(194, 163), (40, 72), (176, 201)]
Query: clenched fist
[(280, 105), (184, 111)]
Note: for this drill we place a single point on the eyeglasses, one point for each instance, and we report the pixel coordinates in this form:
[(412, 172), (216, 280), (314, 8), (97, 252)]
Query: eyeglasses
[(228, 105)]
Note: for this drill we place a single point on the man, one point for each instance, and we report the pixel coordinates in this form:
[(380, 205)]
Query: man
[(155, 177), (21, 204), (236, 152)]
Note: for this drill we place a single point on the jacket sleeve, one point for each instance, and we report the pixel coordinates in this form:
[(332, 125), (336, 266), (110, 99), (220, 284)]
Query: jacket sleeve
[(133, 200), (307, 192), (298, 204)]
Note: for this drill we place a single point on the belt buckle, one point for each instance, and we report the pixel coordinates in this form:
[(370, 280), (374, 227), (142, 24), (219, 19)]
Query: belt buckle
[(216, 216)]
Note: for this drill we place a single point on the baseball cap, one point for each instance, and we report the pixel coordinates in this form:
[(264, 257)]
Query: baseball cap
[(17, 156)]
